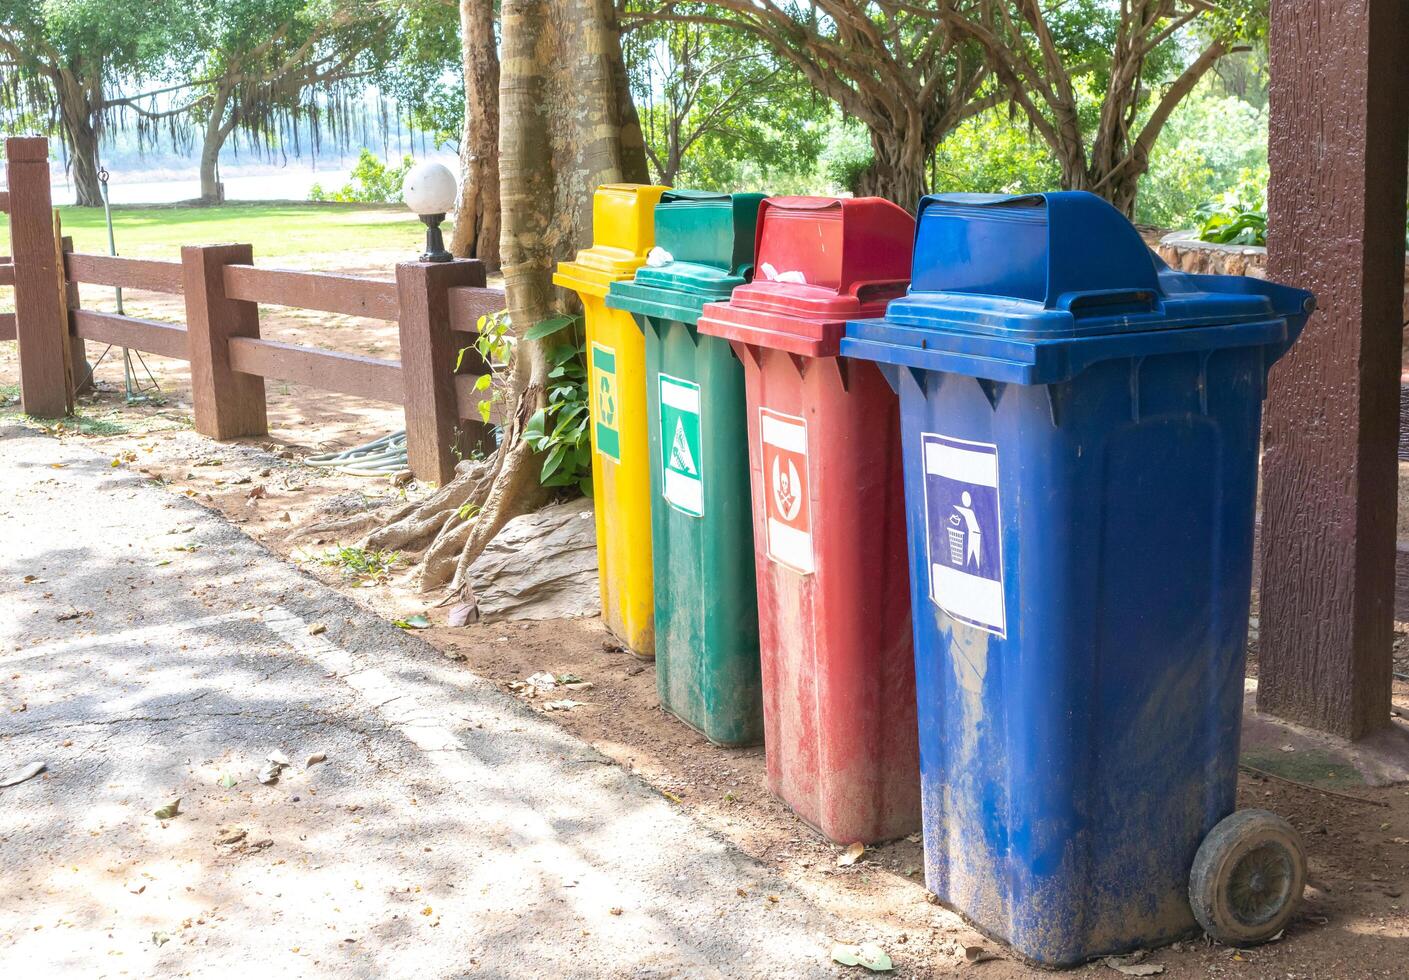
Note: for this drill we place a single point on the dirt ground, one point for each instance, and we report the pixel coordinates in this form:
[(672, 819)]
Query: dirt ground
[(1354, 921)]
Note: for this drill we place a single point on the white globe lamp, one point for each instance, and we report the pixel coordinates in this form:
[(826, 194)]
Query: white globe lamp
[(429, 191)]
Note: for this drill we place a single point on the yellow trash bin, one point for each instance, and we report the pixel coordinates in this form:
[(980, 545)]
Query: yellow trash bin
[(623, 231)]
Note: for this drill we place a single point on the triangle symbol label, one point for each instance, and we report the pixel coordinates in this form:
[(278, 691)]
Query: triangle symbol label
[(680, 456)]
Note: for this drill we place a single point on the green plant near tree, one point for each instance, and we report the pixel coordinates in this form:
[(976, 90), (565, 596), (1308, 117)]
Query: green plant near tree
[(372, 182), (562, 428), (1238, 216)]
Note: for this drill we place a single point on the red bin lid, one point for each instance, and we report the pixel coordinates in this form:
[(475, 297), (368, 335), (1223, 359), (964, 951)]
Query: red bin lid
[(819, 261)]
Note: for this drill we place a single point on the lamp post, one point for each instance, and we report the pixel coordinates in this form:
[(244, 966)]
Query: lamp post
[(429, 191)]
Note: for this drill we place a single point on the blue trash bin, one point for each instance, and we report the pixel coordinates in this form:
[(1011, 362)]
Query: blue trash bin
[(1080, 429)]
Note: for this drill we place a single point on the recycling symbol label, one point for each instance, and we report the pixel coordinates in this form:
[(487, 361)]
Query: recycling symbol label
[(682, 481), (606, 435)]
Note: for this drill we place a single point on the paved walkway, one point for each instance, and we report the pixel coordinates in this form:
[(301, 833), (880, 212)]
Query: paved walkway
[(148, 650)]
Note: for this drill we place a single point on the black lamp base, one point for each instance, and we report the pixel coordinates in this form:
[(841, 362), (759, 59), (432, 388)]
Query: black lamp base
[(435, 243)]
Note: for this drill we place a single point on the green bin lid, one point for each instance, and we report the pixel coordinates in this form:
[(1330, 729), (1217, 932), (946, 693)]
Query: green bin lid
[(704, 248)]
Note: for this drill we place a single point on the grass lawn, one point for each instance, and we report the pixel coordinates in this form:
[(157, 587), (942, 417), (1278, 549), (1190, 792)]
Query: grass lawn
[(284, 228)]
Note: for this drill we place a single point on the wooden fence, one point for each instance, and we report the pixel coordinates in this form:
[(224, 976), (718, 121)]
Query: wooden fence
[(436, 306)]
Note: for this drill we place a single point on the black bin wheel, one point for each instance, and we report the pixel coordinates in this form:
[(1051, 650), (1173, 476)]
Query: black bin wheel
[(1247, 878)]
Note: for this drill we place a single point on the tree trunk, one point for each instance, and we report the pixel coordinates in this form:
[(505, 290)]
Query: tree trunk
[(477, 219), (217, 131), (563, 133), (80, 132), (630, 137), (897, 170)]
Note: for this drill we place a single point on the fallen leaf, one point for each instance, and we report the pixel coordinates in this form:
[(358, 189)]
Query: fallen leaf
[(160, 938), (851, 855), (566, 704), (270, 773), (314, 759), (136, 888), (973, 955), (228, 781), (279, 759), (17, 776), (869, 955), (614, 910), (316, 629), (427, 910), (417, 622), (542, 680), (169, 810), (461, 615), (1134, 965), (231, 835)]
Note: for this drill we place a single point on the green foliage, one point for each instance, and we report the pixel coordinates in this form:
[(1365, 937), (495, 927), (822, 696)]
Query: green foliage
[(361, 562), (1212, 143), (993, 153), (495, 347), (372, 182), (847, 155), (720, 110), (424, 75), (562, 429), (1230, 221)]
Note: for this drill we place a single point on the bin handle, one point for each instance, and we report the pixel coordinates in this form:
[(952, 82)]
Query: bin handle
[(1099, 301), (869, 292)]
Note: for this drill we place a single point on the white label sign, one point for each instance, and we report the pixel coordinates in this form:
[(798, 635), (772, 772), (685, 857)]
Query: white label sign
[(963, 536), (682, 482), (786, 485)]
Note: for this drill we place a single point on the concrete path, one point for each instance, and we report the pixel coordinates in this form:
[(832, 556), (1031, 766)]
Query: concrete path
[(148, 650)]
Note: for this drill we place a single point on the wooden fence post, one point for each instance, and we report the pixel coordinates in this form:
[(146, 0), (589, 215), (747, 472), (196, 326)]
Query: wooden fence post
[(1339, 129), (41, 328), (79, 369), (227, 403), (435, 437)]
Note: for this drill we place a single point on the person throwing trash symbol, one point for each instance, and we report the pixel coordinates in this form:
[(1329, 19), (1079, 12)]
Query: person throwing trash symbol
[(968, 541)]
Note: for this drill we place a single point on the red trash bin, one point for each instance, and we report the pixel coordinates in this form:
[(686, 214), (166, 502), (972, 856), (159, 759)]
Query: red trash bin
[(829, 515)]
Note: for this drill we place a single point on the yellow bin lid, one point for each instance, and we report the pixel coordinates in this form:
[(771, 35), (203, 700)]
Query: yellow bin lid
[(623, 231)]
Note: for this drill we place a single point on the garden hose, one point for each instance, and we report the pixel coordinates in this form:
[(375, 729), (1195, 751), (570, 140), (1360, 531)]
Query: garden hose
[(384, 457)]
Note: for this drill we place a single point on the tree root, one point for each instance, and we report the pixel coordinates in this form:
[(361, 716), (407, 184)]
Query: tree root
[(344, 527), (414, 528)]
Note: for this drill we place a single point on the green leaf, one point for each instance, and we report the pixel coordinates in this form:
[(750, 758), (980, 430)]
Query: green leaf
[(548, 327), (551, 464), (483, 382)]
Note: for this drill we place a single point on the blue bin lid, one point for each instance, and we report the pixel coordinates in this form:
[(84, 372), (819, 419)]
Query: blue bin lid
[(1064, 264), (1012, 283)]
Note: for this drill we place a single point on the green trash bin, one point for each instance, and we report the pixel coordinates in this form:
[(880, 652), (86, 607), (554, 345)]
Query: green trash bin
[(706, 612)]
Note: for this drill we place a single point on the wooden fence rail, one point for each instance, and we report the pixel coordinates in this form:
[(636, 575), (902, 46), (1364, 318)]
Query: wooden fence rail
[(433, 304)]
